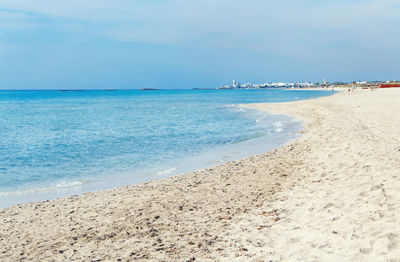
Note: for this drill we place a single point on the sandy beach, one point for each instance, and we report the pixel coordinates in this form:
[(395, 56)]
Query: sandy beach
[(330, 195)]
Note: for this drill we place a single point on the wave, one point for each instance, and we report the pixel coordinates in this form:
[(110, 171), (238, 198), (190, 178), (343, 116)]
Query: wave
[(166, 171), (61, 185), (278, 126)]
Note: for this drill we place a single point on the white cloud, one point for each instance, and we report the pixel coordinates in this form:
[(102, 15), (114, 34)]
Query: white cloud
[(264, 26)]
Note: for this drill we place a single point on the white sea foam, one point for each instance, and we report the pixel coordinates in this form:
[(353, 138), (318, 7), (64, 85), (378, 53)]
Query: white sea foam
[(166, 171), (278, 127), (58, 186)]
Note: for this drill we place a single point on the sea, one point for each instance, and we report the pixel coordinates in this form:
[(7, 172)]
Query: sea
[(59, 143)]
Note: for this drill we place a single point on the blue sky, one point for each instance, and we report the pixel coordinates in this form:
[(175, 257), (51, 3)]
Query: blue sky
[(52, 44)]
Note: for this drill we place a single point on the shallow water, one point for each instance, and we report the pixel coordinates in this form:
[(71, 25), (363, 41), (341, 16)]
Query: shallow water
[(55, 143)]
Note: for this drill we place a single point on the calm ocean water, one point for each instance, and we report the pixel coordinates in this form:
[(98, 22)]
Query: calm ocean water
[(55, 143)]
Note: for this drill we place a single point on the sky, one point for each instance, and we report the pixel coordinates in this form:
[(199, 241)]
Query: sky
[(99, 44)]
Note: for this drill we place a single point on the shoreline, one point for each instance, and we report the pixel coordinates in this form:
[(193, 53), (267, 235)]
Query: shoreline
[(204, 159), (317, 197)]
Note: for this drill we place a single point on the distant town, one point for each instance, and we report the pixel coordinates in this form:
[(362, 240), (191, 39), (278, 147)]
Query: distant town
[(324, 84)]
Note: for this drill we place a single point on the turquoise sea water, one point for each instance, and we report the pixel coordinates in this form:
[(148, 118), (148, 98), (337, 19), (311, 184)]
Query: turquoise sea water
[(55, 143)]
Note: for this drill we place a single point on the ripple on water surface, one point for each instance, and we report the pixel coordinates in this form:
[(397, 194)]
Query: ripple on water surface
[(62, 143)]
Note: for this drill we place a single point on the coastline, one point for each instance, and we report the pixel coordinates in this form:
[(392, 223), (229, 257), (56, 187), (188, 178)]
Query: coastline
[(121, 153), (281, 130), (330, 194)]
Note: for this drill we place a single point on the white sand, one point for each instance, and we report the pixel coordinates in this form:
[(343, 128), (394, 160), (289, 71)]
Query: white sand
[(332, 195), (345, 204)]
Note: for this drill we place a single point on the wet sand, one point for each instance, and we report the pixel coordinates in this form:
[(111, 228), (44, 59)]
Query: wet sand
[(332, 194)]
